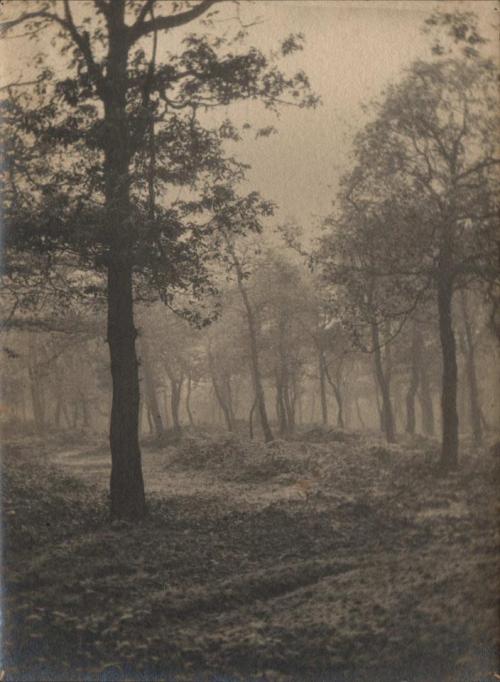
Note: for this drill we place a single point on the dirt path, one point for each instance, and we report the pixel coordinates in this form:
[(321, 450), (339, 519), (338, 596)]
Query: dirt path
[(169, 481)]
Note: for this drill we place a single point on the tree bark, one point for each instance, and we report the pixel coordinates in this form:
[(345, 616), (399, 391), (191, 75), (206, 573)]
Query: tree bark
[(387, 414), (470, 366), (449, 445), (127, 486)]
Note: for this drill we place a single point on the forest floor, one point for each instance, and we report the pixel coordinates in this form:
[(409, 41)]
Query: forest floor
[(332, 558)]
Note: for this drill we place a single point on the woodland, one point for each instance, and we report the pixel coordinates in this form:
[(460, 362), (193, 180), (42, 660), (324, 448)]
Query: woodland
[(237, 446)]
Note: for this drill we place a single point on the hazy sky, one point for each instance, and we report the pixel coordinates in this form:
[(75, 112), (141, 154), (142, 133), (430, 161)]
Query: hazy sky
[(353, 49)]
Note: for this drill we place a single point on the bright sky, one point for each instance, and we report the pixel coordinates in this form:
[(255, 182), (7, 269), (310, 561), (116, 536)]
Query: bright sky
[(353, 49)]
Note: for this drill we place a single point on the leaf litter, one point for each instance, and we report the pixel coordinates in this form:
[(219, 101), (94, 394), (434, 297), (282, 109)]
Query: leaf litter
[(331, 556)]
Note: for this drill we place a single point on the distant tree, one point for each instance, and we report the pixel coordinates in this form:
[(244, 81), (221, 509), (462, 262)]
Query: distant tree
[(280, 292), (235, 263)]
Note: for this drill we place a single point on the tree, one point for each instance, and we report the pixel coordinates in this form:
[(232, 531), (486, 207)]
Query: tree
[(428, 164), (81, 143), (235, 264)]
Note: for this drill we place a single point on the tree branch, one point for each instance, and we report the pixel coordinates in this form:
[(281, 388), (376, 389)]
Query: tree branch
[(145, 10), (142, 28), (81, 41)]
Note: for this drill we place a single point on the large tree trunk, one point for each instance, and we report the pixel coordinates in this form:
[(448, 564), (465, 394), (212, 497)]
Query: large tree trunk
[(127, 486), (449, 446), (470, 367), (387, 414), (416, 344)]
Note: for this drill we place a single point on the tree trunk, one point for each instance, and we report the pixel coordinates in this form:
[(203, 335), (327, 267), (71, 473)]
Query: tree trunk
[(425, 399), (470, 366), (340, 406), (35, 389), (150, 388), (322, 387), (175, 402), (387, 415), (280, 406), (221, 393), (416, 344), (151, 423), (335, 385), (289, 408), (127, 486), (359, 413), (250, 419), (188, 401), (313, 407), (449, 446)]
